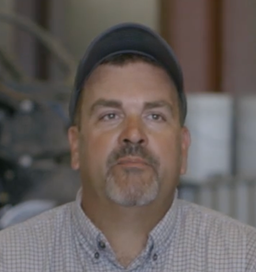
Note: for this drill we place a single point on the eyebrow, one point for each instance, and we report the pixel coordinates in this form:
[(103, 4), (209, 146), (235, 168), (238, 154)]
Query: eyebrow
[(158, 104), (117, 104), (105, 103)]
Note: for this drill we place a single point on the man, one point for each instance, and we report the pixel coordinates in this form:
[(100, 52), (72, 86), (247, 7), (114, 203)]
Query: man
[(130, 145)]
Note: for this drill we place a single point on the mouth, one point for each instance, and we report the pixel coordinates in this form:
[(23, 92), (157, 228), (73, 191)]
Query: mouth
[(132, 162)]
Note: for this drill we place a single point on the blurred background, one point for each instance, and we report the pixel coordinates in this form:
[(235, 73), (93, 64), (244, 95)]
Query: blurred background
[(41, 43)]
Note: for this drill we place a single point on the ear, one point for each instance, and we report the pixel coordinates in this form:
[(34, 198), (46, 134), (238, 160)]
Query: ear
[(73, 137), (185, 143)]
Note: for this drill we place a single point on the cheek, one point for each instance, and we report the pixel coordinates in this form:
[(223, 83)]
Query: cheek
[(96, 149), (168, 148)]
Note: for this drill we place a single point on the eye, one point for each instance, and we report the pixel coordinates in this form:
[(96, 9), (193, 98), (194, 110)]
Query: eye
[(109, 116), (156, 117)]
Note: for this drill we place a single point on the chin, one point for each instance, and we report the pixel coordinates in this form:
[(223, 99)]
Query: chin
[(131, 190)]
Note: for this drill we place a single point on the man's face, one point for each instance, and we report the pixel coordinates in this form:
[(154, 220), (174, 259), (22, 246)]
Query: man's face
[(130, 147)]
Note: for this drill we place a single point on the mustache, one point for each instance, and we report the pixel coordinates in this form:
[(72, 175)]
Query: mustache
[(131, 149)]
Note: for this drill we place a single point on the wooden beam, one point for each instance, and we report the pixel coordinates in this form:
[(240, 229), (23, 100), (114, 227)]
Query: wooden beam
[(42, 55), (193, 28)]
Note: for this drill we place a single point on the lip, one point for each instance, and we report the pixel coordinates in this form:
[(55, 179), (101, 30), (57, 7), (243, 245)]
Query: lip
[(132, 161)]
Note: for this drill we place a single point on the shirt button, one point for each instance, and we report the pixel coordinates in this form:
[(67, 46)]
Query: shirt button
[(102, 245), (96, 255), (155, 257)]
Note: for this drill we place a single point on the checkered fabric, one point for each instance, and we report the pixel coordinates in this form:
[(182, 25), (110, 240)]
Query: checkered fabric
[(189, 238)]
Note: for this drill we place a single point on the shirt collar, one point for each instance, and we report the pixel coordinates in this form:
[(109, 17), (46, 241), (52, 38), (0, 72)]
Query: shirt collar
[(163, 232), (89, 234)]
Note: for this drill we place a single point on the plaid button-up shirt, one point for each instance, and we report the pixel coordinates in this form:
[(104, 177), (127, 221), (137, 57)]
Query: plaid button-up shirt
[(189, 238)]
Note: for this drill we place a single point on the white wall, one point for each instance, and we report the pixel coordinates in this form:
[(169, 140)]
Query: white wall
[(84, 19)]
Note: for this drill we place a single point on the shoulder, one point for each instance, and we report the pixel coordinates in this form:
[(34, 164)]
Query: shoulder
[(212, 218), (221, 231), (35, 233)]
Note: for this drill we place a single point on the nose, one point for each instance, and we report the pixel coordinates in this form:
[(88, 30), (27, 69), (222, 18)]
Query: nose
[(133, 132)]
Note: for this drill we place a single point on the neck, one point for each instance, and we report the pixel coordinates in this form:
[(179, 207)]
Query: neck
[(126, 228)]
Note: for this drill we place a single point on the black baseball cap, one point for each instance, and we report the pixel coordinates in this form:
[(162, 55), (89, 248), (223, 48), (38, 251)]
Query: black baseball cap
[(127, 38)]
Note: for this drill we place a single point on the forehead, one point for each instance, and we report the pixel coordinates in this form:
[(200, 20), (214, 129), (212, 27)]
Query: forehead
[(133, 81)]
